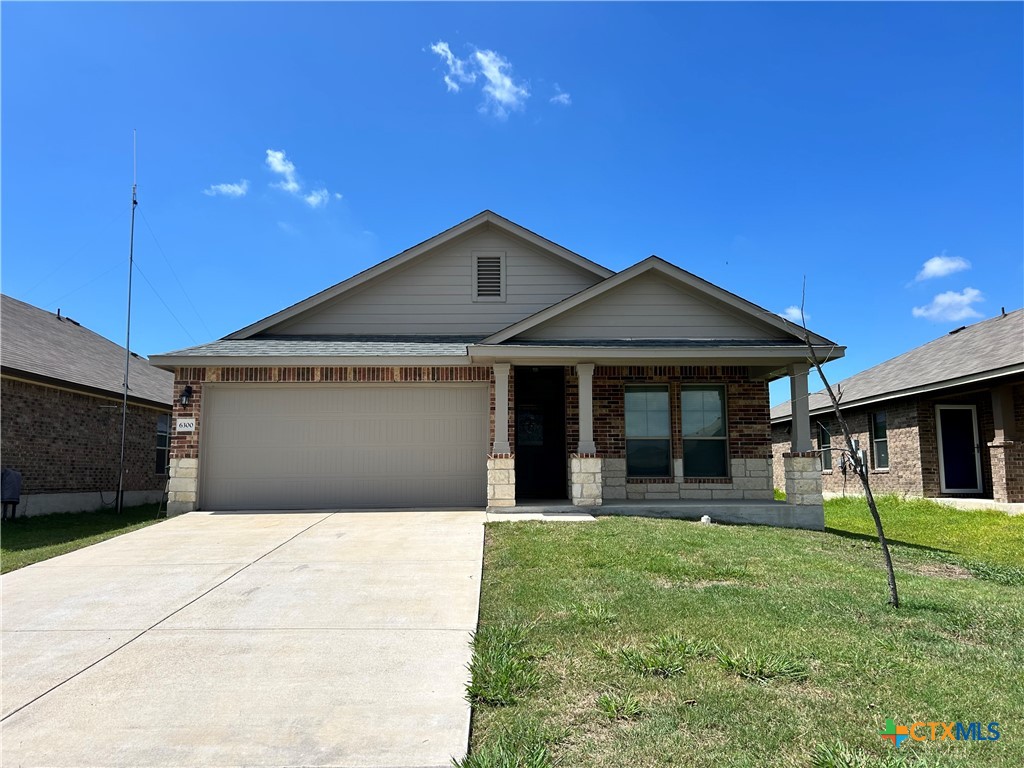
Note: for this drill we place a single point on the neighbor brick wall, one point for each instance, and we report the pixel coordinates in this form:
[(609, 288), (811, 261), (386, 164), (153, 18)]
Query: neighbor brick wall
[(913, 445), (70, 442)]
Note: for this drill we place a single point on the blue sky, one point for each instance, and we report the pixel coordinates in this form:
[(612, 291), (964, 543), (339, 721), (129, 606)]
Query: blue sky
[(874, 148)]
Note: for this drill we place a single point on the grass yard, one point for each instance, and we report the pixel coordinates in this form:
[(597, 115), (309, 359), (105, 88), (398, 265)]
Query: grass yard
[(642, 642), (28, 540)]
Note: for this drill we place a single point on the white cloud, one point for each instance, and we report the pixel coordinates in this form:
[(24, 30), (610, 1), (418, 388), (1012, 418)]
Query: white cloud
[(228, 190), (560, 97), (792, 313), (502, 94), (951, 306), (457, 70), (278, 162), (337, 195), (317, 198), (942, 265)]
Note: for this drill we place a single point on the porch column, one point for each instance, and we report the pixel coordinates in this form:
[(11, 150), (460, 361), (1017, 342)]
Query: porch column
[(501, 444), (585, 373), (1006, 451), (801, 429)]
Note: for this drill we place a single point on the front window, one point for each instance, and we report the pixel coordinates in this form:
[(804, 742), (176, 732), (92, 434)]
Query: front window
[(705, 441), (163, 442), (825, 444), (648, 432), (879, 441)]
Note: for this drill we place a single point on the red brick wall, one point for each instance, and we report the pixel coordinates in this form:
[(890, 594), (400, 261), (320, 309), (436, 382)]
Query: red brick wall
[(746, 403), (70, 442)]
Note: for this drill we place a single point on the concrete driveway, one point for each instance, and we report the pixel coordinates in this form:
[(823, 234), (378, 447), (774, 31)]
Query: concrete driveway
[(246, 639)]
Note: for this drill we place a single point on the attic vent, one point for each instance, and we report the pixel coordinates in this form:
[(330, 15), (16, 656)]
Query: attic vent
[(488, 275)]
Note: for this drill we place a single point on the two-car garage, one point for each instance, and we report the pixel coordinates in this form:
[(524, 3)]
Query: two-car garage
[(320, 446)]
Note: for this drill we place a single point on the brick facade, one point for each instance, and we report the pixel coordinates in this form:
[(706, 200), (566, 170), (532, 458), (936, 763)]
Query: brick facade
[(746, 401), (913, 447), (63, 441)]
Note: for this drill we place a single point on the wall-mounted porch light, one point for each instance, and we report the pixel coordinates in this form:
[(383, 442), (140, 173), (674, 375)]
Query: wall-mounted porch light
[(186, 396)]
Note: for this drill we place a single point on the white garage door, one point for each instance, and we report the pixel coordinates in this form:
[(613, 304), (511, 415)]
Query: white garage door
[(316, 447)]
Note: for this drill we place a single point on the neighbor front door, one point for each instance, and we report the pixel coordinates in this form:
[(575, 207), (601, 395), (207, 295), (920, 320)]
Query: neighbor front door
[(959, 451)]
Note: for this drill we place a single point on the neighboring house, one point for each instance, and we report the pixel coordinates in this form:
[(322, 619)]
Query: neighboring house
[(943, 420), (487, 366), (61, 391)]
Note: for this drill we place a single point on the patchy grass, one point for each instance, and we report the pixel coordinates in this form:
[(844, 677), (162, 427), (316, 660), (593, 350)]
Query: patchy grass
[(28, 540), (663, 642), (502, 670), (988, 538)]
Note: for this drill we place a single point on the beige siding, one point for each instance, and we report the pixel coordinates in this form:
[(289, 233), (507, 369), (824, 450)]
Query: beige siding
[(434, 294), (331, 447), (652, 307)]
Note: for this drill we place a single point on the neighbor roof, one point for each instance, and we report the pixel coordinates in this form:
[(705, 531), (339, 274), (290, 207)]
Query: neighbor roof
[(39, 344), (981, 351)]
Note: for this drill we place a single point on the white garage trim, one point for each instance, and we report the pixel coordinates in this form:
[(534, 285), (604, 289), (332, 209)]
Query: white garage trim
[(343, 446)]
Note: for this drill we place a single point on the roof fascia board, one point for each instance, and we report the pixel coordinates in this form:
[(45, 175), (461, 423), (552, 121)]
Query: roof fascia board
[(393, 263), (921, 390), (721, 355), (654, 263), (170, 362)]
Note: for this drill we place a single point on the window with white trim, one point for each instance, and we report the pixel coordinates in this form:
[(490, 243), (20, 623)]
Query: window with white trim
[(705, 437), (648, 432), (488, 275), (879, 441)]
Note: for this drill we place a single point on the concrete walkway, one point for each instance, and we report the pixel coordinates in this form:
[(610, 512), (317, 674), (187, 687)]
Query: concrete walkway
[(262, 639)]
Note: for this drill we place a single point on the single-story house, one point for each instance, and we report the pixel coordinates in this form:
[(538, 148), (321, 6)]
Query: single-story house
[(943, 420), (488, 366), (62, 389)]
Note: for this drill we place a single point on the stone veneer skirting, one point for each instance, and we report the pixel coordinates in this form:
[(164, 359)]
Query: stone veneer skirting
[(585, 473), (501, 480), (751, 479)]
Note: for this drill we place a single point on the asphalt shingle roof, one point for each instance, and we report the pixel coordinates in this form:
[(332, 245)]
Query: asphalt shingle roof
[(973, 351), (301, 346), (35, 341)]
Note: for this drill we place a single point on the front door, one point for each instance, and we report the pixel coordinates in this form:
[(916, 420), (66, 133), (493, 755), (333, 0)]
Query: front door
[(540, 433), (959, 452)]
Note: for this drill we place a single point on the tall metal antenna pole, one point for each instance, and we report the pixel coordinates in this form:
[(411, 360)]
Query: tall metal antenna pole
[(128, 330)]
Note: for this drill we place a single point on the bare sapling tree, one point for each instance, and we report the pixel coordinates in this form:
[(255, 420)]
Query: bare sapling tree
[(856, 457)]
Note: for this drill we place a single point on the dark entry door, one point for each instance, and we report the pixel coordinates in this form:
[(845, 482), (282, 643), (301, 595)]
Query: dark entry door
[(540, 433), (959, 460)]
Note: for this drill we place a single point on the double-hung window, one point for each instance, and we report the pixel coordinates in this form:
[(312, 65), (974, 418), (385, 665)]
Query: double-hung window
[(163, 443), (879, 441), (648, 432), (705, 440), (825, 446)]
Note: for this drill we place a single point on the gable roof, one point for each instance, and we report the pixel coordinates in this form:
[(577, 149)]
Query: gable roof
[(482, 219), (654, 265), (991, 348), (39, 344)]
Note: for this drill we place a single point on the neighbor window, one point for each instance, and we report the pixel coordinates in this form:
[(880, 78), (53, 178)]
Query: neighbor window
[(879, 441), (648, 432), (163, 442), (705, 442), (825, 445)]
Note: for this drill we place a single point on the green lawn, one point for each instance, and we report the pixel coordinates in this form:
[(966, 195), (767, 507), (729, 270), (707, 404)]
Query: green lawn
[(31, 539), (641, 642)]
